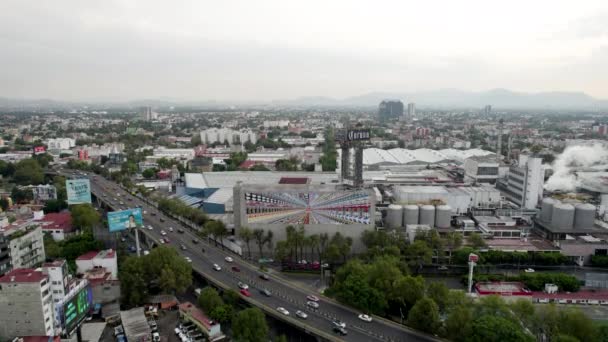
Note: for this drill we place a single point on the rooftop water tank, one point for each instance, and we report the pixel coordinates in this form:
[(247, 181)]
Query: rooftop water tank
[(410, 214), (584, 216), (546, 210), (443, 216), (394, 216), (562, 216), (427, 215)]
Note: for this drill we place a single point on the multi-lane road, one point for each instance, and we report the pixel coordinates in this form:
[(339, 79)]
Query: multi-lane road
[(284, 293)]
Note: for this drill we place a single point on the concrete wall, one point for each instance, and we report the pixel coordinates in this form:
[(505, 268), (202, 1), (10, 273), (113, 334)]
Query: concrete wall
[(106, 292), (22, 310)]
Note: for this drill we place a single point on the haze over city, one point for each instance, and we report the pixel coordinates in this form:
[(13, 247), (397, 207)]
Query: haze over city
[(269, 50)]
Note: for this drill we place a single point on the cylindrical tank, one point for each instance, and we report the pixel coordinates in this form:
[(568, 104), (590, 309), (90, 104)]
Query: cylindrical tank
[(427, 215), (443, 216), (410, 214), (394, 216), (546, 210), (584, 216), (562, 216)]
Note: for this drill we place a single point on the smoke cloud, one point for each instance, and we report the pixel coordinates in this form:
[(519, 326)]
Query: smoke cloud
[(576, 158)]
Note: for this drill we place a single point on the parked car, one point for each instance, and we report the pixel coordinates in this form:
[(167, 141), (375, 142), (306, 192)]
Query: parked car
[(529, 270)]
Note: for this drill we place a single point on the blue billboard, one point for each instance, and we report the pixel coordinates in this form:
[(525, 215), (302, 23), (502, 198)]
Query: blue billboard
[(124, 219), (79, 191)]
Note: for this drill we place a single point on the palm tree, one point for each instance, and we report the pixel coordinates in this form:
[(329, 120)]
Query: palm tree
[(246, 234), (300, 237), (268, 239), (291, 240), (314, 245), (323, 241), (258, 235), (220, 231)]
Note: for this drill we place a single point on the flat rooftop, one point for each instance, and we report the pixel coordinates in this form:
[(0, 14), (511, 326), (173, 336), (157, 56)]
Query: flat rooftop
[(502, 288), (596, 229)]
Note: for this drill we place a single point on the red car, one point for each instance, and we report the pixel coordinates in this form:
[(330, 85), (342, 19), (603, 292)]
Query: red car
[(167, 240), (245, 292), (236, 269)]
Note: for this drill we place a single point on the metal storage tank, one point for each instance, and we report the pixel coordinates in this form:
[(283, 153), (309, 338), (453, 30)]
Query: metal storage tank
[(562, 216), (443, 216), (394, 216), (584, 216), (546, 210), (427, 215), (410, 214)]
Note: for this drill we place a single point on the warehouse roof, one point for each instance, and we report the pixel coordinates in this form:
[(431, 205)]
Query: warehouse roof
[(372, 156)]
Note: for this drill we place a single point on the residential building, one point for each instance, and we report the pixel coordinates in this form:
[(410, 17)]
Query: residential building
[(173, 153), (487, 110), (57, 272), (481, 169), (147, 114), (106, 258), (61, 143), (390, 109), (43, 192), (27, 304), (411, 111), (5, 255), (189, 312), (232, 137), (58, 225), (26, 246), (104, 286), (276, 123), (524, 185)]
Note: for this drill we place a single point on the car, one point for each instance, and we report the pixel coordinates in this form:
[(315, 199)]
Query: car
[(442, 268), (265, 292), (312, 298), (167, 240), (177, 331), (123, 239), (245, 292), (188, 259), (217, 267), (236, 269), (118, 330), (122, 203), (338, 323), (163, 233), (121, 338), (150, 227), (153, 213), (171, 229), (243, 285), (145, 212), (529, 270), (183, 247), (195, 241), (312, 304), (146, 252), (129, 199), (264, 276), (340, 331), (156, 337), (163, 220), (283, 311), (365, 318), (162, 241), (301, 314), (179, 230), (228, 259)]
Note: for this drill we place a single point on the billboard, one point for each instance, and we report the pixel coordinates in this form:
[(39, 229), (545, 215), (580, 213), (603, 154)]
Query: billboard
[(76, 309), (358, 134), (39, 150), (309, 207), (79, 191), (123, 219)]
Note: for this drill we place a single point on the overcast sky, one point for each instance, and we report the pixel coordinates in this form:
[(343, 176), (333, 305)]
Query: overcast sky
[(262, 50)]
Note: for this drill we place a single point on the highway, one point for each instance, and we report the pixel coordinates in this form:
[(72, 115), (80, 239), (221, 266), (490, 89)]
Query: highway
[(284, 293)]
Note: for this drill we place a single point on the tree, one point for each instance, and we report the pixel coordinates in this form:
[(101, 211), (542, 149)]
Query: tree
[(476, 240), (133, 285), (4, 204), (281, 338), (209, 299), (424, 315), (231, 298), (222, 313), (148, 173), (22, 195), (259, 167), (250, 325), (6, 169), (458, 323), (268, 239), (438, 292), (489, 328), (165, 261), (573, 322), (258, 235), (351, 286), (409, 290), (418, 253), (84, 216), (28, 172), (523, 310), (246, 234), (54, 206)]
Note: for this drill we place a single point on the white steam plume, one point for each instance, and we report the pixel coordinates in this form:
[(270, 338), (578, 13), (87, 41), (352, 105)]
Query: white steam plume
[(573, 158)]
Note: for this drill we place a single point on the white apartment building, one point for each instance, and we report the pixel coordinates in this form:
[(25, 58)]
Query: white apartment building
[(61, 143), (94, 259), (26, 304), (173, 153), (233, 137), (58, 274), (276, 123), (26, 246)]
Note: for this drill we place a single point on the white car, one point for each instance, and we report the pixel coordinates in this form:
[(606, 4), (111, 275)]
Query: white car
[(365, 318), (228, 259), (312, 304), (312, 298), (217, 267), (163, 233), (188, 259), (150, 227), (339, 324), (301, 314), (161, 241), (243, 286), (529, 270), (171, 229), (283, 311)]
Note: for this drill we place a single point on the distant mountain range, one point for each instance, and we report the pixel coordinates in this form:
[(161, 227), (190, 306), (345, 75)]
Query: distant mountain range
[(450, 98), (445, 98)]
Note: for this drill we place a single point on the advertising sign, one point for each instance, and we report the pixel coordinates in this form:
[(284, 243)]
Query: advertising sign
[(358, 134), (76, 309), (123, 219), (79, 191), (39, 149)]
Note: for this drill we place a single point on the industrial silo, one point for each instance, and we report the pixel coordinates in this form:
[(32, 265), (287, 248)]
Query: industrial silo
[(584, 216), (546, 210), (443, 216), (410, 214), (562, 216), (394, 216), (427, 215)]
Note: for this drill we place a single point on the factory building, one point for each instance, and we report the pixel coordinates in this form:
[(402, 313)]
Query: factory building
[(460, 199), (524, 185)]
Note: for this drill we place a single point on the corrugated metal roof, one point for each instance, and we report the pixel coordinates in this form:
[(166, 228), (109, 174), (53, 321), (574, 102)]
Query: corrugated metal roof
[(372, 156), (190, 200), (195, 181)]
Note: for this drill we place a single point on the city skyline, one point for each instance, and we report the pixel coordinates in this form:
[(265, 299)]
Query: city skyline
[(273, 50)]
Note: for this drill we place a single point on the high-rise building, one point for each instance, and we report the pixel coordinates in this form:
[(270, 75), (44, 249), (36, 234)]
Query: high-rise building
[(487, 110), (148, 114), (524, 185), (411, 110), (26, 303), (390, 109)]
